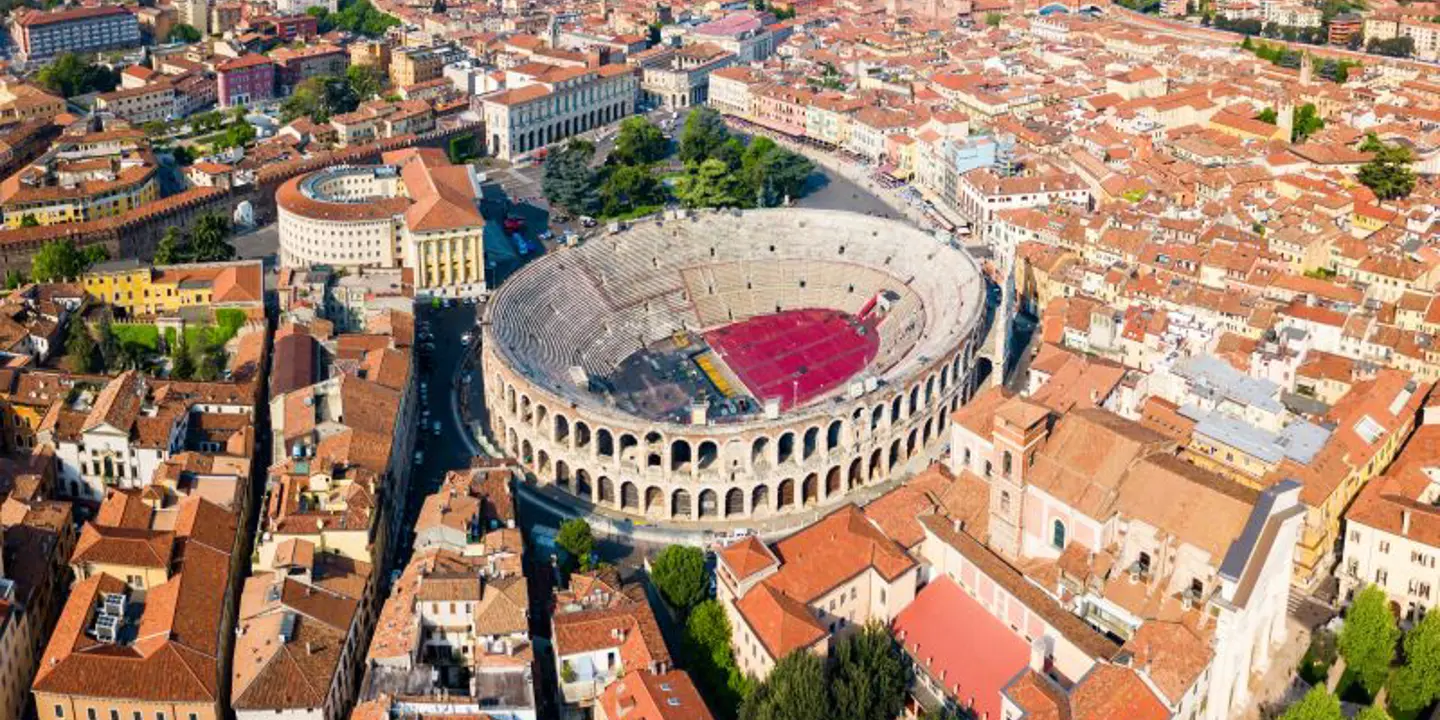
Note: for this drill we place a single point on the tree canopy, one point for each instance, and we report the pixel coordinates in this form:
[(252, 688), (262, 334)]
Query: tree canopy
[(1307, 122), (703, 133), (80, 349), (794, 690), (569, 181), (69, 75), (207, 242), (639, 142), (710, 660), (1417, 685), (184, 33), (1318, 704), (1388, 174), (320, 97), (1367, 640), (356, 16), (870, 676), (60, 259), (576, 538), (679, 574)]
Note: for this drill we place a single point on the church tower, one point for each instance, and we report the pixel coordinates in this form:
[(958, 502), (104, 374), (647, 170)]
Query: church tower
[(1020, 428)]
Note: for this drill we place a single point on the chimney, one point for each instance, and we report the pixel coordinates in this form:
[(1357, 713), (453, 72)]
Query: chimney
[(1405, 522), (1040, 654)]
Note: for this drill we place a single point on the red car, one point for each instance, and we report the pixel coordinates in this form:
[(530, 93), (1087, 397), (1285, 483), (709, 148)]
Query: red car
[(514, 224)]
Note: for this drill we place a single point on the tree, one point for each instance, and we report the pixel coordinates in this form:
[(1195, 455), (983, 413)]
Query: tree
[(993, 19), (1246, 44), (1307, 122), (1367, 641), (365, 80), (704, 131), (68, 75), (575, 538), (772, 174), (1388, 174), (208, 240), (1417, 684), (710, 660), (679, 574), (79, 348), (108, 345), (14, 279), (1268, 115), (57, 260), (170, 250), (28, 220), (628, 188), (1400, 47), (184, 33), (709, 185), (870, 676), (569, 181), (94, 255), (794, 690), (182, 365), (1372, 713), (639, 142), (1318, 704)]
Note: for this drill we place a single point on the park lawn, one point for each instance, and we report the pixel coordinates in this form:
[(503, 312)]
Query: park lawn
[(146, 336)]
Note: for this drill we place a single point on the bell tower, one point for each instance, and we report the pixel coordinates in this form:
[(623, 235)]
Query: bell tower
[(1020, 428)]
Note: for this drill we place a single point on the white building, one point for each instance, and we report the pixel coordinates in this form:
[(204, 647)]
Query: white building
[(555, 105)]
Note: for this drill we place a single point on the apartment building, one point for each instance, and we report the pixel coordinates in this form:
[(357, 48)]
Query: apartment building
[(247, 79), (150, 103), (39, 536), (82, 176), (601, 631), (1387, 26), (22, 102), (983, 193), (678, 78), (296, 65), (164, 290), (40, 36), (555, 105), (411, 65)]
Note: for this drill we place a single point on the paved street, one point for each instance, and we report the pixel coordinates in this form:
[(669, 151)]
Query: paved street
[(262, 243)]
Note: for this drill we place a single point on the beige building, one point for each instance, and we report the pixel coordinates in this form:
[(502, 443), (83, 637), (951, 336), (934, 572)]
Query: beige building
[(410, 65), (153, 102), (548, 107)]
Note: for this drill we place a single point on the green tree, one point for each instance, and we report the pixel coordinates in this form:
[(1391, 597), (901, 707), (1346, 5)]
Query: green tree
[(704, 131), (324, 21), (1388, 174), (365, 80), (1307, 122), (639, 142), (108, 345), (182, 363), (710, 660), (993, 19), (1318, 704), (1417, 685), (772, 174), (1268, 115), (569, 181), (171, 248), (1400, 47), (57, 260), (69, 75), (794, 690), (184, 33), (14, 279), (28, 220), (709, 185), (79, 348), (1372, 713), (94, 255), (1367, 640), (208, 241), (575, 538), (679, 574), (870, 676), (626, 189)]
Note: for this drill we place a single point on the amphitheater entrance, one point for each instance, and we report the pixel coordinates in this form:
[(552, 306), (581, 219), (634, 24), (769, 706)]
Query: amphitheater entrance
[(709, 505), (856, 478), (680, 505), (811, 490), (734, 502), (582, 484), (785, 495), (760, 500), (654, 501), (562, 474), (629, 497), (832, 482), (607, 492)]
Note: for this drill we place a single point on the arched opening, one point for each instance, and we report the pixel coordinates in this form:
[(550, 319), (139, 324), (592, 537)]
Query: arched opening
[(894, 455), (541, 415), (760, 500), (785, 448), (810, 490), (914, 400), (680, 456), (607, 492), (605, 443), (654, 501), (680, 504), (758, 448), (832, 435), (629, 496), (875, 466), (929, 390), (785, 495), (877, 415), (628, 443), (707, 455), (527, 452), (895, 408), (1057, 535), (708, 504), (734, 502), (543, 466), (510, 400), (525, 415), (653, 459), (512, 442), (562, 474), (810, 444), (944, 378), (582, 434), (925, 434), (832, 482), (582, 485), (854, 478), (911, 443), (562, 429)]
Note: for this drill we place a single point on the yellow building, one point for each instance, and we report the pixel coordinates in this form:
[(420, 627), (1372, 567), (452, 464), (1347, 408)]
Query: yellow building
[(164, 290), (415, 65), (82, 177)]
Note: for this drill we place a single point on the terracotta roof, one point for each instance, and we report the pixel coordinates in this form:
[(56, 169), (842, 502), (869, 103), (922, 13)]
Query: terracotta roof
[(747, 557), (643, 695)]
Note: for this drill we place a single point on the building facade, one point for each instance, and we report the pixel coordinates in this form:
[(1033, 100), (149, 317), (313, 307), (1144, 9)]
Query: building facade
[(40, 36)]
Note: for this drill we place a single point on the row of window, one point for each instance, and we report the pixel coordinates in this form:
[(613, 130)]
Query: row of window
[(92, 714)]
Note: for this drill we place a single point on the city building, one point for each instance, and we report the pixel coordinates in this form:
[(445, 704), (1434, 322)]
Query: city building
[(411, 65), (155, 290), (557, 104), (420, 212), (150, 103), (678, 78), (40, 36), (22, 102), (84, 175), (244, 80)]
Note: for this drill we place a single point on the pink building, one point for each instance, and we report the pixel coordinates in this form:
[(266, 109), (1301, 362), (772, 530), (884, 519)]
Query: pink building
[(247, 79)]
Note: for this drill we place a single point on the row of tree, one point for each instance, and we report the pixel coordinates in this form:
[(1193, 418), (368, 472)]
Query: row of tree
[(60, 260), (356, 16), (207, 242), (866, 680)]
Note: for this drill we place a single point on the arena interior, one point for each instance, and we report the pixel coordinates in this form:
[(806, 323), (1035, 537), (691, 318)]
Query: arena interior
[(724, 365)]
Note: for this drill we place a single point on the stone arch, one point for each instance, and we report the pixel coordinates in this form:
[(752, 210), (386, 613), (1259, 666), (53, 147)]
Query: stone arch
[(833, 435), (512, 442), (707, 454), (734, 502), (709, 504), (942, 421), (894, 455), (654, 501), (832, 482), (680, 504), (562, 429), (582, 485), (525, 415), (925, 435), (914, 400), (810, 490), (855, 478), (760, 500), (510, 399), (606, 495), (911, 443), (542, 414), (562, 474), (929, 390), (944, 378), (896, 407), (527, 452), (629, 496), (542, 465), (876, 466), (680, 456), (604, 443), (757, 449), (810, 444), (582, 434), (785, 495), (785, 448), (876, 417), (628, 442)]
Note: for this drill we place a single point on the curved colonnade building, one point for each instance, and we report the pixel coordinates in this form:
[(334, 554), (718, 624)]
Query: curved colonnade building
[(732, 365)]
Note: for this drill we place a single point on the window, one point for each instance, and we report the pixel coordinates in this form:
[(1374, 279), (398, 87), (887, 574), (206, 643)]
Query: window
[(1381, 576), (1354, 536), (1385, 546), (1006, 463), (114, 715), (1144, 563), (1004, 501), (90, 713), (59, 711), (1057, 537)]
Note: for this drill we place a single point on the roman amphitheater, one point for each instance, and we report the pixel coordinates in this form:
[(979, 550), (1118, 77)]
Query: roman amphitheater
[(727, 365)]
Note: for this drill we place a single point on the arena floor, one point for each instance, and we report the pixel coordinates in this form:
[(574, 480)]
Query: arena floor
[(796, 355)]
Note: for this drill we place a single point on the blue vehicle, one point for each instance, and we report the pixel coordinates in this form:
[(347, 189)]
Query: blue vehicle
[(521, 245)]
